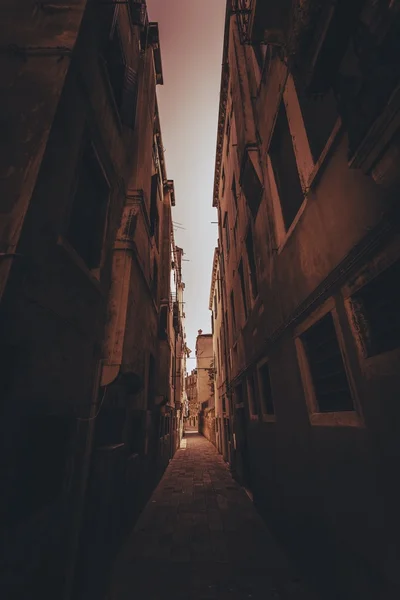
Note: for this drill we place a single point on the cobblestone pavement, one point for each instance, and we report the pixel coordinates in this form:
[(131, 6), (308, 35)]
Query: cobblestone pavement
[(200, 538)]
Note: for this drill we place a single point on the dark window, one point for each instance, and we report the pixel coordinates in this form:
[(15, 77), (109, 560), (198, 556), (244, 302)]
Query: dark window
[(234, 193), (89, 207), (284, 165), (226, 229), (266, 392), (251, 185), (215, 306), (154, 283), (212, 323), (233, 312), (163, 322), (243, 288), (154, 207), (223, 181), (228, 134), (320, 115), (123, 79), (377, 308), (329, 377), (252, 263), (151, 381)]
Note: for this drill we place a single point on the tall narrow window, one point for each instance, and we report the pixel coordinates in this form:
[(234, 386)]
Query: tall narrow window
[(228, 134), (234, 193), (215, 306), (226, 230), (331, 387), (223, 181), (266, 392), (122, 78), (243, 288), (284, 166), (154, 207), (89, 207), (252, 263), (154, 284), (251, 185)]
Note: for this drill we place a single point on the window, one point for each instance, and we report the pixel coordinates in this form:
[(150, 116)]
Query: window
[(233, 312), (228, 134), (234, 193), (163, 323), (377, 312), (243, 288), (215, 307), (151, 381), (223, 181), (154, 208), (154, 282), (251, 185), (266, 392), (226, 229), (123, 80), (89, 207), (320, 115), (252, 263), (284, 167), (331, 387)]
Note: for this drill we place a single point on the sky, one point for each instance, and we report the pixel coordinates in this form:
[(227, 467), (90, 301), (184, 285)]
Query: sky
[(191, 37)]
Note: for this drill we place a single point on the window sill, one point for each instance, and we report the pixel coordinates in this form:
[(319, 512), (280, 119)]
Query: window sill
[(92, 275), (337, 419)]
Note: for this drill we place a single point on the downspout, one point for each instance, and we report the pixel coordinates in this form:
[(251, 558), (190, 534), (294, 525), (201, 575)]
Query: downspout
[(119, 295)]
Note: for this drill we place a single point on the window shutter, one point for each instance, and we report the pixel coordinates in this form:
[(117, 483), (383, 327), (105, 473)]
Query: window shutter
[(129, 98)]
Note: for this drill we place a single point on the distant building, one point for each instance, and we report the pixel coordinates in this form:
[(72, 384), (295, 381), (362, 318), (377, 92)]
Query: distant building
[(205, 384), (191, 392), (306, 187)]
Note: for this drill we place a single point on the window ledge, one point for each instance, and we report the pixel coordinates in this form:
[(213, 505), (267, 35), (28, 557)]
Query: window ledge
[(337, 419), (92, 275)]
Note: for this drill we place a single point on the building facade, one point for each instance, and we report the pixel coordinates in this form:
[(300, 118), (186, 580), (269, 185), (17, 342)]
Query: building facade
[(220, 354), (87, 325), (205, 384), (191, 392), (306, 188)]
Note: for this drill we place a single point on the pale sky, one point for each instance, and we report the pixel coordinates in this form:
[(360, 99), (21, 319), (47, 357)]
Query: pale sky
[(191, 36)]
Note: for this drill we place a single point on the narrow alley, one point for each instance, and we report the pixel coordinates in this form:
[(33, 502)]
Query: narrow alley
[(200, 537)]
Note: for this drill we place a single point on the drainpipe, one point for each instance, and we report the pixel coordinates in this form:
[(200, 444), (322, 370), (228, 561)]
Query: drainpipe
[(119, 294)]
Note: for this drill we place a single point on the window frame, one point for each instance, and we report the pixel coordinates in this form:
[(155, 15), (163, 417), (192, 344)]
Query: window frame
[(331, 419)]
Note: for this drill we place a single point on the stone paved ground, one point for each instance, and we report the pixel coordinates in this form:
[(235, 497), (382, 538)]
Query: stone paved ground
[(200, 538)]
